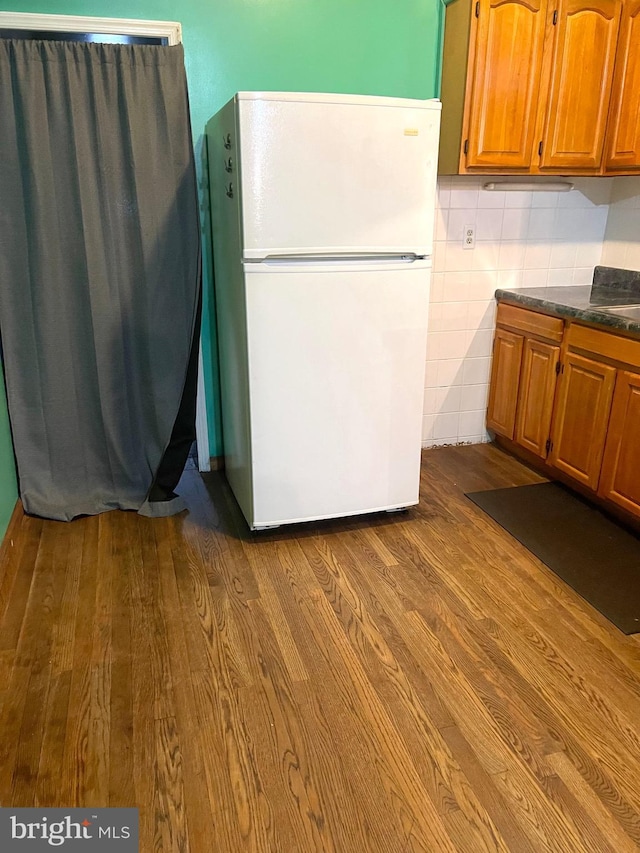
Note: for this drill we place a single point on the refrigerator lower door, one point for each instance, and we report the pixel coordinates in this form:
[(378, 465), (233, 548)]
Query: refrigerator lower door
[(336, 376)]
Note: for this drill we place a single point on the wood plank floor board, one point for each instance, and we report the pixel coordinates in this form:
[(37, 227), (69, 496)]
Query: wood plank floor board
[(511, 601), (539, 812), (447, 787), (11, 548), (380, 741), (188, 740), (347, 795), (271, 602), (486, 791), (20, 572), (121, 714), (288, 755), (47, 787), (546, 660), (231, 826), (599, 742), (497, 587), (386, 684), (34, 649), (447, 609), (584, 794)]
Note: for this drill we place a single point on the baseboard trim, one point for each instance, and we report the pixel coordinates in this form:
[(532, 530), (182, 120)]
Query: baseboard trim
[(216, 463)]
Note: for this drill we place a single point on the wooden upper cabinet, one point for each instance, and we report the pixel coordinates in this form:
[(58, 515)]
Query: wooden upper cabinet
[(582, 417), (575, 118), (623, 132), (620, 478), (505, 73), (541, 86)]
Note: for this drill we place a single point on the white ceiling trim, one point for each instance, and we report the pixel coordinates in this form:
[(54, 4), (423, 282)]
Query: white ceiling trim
[(171, 30)]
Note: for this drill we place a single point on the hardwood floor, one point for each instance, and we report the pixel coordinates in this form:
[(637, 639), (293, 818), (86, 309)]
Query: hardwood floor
[(411, 682)]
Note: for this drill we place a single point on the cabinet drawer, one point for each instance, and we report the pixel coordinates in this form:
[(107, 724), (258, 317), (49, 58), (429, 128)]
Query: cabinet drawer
[(530, 322), (604, 344)]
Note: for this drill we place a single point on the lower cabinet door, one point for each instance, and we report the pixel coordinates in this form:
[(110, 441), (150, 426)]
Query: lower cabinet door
[(537, 390), (505, 380), (582, 418), (620, 477)]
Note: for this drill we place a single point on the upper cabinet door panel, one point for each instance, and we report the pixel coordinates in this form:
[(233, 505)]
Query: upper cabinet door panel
[(623, 134), (506, 83), (582, 70)]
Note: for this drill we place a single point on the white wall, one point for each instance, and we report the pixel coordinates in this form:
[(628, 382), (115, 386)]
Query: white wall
[(622, 237), (523, 239)]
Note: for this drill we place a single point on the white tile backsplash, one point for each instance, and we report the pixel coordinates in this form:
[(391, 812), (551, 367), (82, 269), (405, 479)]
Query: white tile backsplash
[(523, 239), (622, 235)]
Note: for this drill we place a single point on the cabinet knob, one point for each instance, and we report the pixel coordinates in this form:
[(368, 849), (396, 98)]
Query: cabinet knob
[(229, 190), (228, 165), (227, 140)]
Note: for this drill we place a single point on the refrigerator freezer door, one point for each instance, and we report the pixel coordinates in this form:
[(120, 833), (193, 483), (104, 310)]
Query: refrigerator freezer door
[(336, 377), (332, 177)]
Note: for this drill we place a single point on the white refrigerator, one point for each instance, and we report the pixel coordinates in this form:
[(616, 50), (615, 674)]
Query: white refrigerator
[(322, 212)]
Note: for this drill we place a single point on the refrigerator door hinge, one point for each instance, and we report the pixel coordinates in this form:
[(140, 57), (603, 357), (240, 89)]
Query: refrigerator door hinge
[(548, 445), (555, 17), (478, 9), (466, 146), (540, 149)]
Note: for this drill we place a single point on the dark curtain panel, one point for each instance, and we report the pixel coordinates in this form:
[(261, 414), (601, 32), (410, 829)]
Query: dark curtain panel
[(99, 273)]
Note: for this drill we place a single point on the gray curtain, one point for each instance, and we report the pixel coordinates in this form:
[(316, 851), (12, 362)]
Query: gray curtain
[(99, 268)]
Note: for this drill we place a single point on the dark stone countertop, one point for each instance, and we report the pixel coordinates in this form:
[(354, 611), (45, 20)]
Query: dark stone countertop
[(575, 303)]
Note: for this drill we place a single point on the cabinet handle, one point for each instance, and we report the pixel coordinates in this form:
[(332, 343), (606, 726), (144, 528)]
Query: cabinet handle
[(229, 190), (228, 165), (478, 9), (227, 140), (540, 149), (555, 17)]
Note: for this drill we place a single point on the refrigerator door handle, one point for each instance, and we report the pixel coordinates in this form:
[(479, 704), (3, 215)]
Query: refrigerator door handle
[(286, 260)]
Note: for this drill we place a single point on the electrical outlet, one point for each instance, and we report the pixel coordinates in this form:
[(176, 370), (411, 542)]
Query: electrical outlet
[(469, 237)]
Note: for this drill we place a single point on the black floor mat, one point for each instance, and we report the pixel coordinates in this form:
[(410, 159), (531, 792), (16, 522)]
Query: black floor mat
[(598, 558)]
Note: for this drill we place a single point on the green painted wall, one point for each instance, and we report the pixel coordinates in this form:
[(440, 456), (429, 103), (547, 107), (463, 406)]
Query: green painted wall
[(377, 47), (8, 487)]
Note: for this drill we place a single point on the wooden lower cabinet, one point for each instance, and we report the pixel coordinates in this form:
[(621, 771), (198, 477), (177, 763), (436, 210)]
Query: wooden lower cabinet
[(570, 396), (505, 379), (537, 388), (582, 418), (620, 478)]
